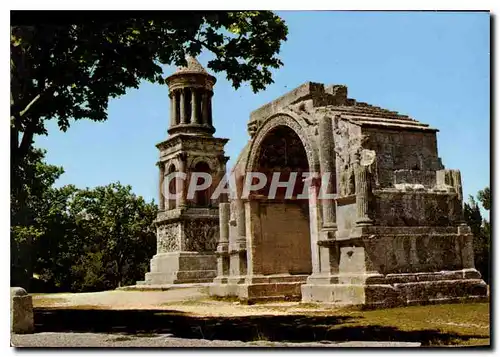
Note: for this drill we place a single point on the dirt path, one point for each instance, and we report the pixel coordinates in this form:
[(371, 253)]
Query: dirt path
[(189, 300), (189, 317), (120, 300)]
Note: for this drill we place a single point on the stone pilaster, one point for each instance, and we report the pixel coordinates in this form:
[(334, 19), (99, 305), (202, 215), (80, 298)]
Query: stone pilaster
[(222, 247), (181, 184), (240, 221), (362, 195), (224, 208), (314, 228), (457, 183), (327, 166), (161, 188)]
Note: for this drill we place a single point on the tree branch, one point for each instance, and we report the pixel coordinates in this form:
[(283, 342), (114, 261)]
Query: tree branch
[(22, 112)]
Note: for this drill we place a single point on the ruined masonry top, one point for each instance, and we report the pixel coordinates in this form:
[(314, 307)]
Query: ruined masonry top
[(310, 97)]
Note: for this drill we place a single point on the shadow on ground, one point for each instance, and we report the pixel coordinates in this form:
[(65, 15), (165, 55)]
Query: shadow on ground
[(291, 328)]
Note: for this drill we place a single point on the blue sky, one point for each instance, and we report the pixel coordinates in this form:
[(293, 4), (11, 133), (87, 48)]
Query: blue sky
[(432, 66)]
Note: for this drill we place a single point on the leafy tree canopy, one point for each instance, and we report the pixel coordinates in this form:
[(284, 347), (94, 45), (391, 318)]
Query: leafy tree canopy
[(481, 231), (484, 196), (82, 240), (65, 72)]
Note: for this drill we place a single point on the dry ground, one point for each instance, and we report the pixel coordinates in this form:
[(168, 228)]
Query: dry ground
[(191, 315)]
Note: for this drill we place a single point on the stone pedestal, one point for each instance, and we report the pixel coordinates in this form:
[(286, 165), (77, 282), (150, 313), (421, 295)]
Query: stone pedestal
[(182, 268), (399, 289), (21, 311), (391, 266), (261, 288), (186, 247)]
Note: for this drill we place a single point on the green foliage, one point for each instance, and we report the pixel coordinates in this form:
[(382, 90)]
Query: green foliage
[(65, 72), (484, 196), (28, 211), (120, 234), (481, 230), (77, 239), (69, 72), (95, 239)]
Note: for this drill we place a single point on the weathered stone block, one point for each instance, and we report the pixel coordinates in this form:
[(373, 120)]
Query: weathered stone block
[(394, 232), (21, 311)]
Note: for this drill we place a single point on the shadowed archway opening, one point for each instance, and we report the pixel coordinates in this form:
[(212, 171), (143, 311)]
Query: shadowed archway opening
[(172, 188), (285, 246), (202, 197)]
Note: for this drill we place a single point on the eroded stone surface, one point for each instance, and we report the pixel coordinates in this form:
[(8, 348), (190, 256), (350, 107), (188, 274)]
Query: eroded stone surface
[(188, 228), (21, 311), (396, 234)]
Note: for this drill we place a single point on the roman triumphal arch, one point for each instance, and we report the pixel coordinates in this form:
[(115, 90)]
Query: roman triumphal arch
[(363, 211)]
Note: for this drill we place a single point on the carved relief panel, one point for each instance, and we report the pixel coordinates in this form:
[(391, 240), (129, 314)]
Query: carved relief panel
[(167, 238), (348, 148), (201, 235)]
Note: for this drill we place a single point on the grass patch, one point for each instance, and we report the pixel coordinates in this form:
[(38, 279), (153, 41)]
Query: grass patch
[(229, 299), (187, 302), (461, 319)]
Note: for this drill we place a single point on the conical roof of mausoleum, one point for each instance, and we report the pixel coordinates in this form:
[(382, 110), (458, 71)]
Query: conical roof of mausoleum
[(193, 66)]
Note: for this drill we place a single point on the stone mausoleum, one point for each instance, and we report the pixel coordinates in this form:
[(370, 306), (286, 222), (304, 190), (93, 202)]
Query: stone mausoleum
[(188, 229), (391, 231)]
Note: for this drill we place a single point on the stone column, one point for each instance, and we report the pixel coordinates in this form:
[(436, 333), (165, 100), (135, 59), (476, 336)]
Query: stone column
[(181, 184), (182, 106), (221, 172), (204, 103), (240, 211), (195, 116), (222, 247), (467, 245), (169, 202), (161, 188), (173, 117), (314, 227), (209, 109), (240, 220), (253, 237), (414, 261), (327, 165), (362, 195), (224, 222)]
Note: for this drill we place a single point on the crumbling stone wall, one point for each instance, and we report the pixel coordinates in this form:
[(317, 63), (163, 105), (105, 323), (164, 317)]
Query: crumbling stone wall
[(411, 209), (404, 150)]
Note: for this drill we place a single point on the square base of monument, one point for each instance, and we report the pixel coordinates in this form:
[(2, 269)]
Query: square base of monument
[(399, 289), (181, 268), (260, 288)]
